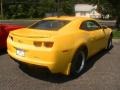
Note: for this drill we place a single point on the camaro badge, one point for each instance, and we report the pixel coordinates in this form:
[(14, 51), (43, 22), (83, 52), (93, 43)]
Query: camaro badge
[(19, 41)]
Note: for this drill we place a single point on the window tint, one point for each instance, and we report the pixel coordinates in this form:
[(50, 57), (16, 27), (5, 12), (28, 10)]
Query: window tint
[(50, 24), (90, 25)]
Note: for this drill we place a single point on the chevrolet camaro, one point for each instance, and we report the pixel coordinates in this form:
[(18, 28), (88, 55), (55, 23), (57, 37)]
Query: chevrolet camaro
[(61, 44), (4, 31)]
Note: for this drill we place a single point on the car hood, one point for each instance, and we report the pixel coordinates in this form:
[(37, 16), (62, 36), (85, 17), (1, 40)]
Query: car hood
[(34, 33)]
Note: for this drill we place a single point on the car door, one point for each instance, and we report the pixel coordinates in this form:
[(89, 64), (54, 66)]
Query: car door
[(95, 34)]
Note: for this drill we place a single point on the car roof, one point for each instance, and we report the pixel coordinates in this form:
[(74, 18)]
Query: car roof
[(67, 18)]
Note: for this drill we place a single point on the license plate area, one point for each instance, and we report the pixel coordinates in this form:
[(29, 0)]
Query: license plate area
[(20, 52)]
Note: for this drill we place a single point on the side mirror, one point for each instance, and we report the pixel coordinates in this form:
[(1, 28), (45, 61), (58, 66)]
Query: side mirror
[(104, 27)]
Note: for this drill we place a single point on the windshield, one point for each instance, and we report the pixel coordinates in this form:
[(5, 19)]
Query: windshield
[(50, 24)]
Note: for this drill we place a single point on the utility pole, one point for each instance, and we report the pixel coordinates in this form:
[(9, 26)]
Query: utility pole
[(1, 4)]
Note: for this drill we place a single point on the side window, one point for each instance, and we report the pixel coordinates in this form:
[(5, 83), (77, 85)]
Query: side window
[(90, 25)]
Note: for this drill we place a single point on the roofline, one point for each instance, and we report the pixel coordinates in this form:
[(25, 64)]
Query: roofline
[(68, 18)]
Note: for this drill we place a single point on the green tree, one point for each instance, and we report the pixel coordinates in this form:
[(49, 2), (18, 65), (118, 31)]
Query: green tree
[(109, 7), (38, 8), (116, 6), (20, 11)]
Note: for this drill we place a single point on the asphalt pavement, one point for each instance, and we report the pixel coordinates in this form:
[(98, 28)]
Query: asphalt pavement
[(102, 72)]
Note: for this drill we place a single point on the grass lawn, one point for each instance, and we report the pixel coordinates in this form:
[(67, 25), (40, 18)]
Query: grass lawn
[(116, 34)]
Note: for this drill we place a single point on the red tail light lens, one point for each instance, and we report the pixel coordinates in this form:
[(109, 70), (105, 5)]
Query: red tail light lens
[(37, 43), (48, 44), (11, 38)]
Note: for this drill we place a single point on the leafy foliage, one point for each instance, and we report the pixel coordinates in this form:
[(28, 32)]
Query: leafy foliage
[(38, 8), (116, 6)]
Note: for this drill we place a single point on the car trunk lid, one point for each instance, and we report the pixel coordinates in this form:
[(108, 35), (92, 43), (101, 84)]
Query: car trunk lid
[(34, 33)]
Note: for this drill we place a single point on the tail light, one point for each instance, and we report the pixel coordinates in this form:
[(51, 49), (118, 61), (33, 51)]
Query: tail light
[(38, 43), (48, 44), (11, 38), (45, 44)]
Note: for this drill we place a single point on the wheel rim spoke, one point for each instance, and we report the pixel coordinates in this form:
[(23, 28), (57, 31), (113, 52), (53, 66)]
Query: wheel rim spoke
[(80, 62)]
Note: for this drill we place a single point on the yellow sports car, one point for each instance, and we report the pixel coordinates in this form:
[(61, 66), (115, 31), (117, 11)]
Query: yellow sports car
[(61, 44)]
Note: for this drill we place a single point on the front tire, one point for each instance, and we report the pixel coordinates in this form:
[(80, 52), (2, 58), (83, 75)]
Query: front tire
[(78, 63)]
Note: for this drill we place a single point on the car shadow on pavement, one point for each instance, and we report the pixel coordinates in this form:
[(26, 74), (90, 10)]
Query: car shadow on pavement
[(43, 74), (3, 51)]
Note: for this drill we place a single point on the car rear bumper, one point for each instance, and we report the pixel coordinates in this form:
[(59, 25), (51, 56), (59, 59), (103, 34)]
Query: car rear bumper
[(55, 60)]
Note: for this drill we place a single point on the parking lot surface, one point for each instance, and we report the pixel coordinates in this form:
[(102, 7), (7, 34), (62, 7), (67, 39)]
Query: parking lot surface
[(102, 72)]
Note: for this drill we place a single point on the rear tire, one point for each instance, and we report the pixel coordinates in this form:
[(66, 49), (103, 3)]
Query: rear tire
[(109, 45), (78, 63)]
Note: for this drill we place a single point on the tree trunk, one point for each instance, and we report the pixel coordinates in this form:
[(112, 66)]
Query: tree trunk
[(118, 23)]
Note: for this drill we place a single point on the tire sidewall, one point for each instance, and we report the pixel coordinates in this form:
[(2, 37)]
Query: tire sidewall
[(74, 72), (109, 45)]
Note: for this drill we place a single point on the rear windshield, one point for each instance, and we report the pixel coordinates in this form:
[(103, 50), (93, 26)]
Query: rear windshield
[(50, 24)]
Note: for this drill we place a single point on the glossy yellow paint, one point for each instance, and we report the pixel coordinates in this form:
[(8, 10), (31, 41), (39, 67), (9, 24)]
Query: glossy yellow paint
[(66, 41)]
